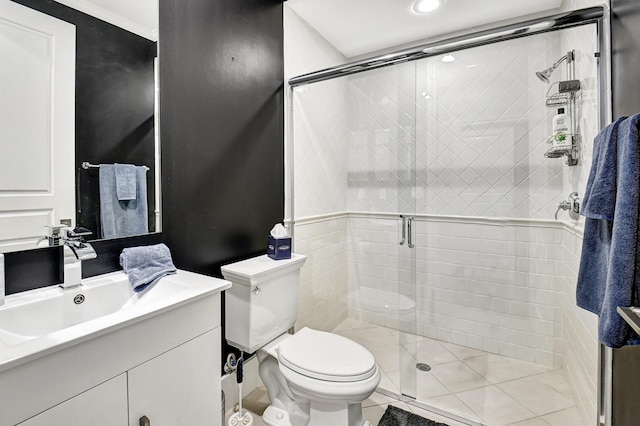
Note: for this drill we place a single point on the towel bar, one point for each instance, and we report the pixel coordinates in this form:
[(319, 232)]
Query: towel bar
[(87, 165)]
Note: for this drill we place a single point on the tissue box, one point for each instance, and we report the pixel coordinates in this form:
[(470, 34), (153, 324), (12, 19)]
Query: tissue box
[(279, 247)]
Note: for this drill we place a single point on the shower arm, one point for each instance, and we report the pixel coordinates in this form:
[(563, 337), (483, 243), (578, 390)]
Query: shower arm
[(558, 62), (569, 57)]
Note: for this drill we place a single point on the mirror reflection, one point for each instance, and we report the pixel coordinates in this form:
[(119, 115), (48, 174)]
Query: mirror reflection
[(80, 87)]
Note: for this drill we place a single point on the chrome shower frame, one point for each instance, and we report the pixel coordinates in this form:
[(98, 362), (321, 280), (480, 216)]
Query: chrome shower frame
[(508, 32)]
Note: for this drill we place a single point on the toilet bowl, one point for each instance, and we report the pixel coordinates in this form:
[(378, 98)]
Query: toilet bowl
[(321, 379), (314, 378)]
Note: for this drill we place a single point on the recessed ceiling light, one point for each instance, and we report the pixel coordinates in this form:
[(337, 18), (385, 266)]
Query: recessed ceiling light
[(426, 6), (448, 58)]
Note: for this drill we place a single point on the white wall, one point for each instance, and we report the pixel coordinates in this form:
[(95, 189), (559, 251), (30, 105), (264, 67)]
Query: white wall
[(321, 132)]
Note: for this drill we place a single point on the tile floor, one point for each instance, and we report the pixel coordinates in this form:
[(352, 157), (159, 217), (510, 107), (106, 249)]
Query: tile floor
[(373, 408), (484, 388), (476, 385)]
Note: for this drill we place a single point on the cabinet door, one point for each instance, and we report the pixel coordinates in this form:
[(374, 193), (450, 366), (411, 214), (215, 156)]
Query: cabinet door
[(179, 387), (104, 405)]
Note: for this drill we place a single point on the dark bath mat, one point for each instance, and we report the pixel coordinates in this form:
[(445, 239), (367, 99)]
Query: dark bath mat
[(395, 416)]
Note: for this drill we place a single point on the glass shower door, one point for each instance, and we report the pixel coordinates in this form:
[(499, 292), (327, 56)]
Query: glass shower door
[(381, 204)]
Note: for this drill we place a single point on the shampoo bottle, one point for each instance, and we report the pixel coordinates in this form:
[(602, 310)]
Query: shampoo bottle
[(561, 129)]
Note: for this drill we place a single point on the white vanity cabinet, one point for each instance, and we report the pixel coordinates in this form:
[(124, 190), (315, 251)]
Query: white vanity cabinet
[(178, 387), (159, 360)]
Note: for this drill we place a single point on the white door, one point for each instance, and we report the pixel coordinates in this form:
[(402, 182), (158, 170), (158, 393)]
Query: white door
[(37, 124)]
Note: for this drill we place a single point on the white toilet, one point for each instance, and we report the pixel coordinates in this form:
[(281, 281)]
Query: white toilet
[(313, 378)]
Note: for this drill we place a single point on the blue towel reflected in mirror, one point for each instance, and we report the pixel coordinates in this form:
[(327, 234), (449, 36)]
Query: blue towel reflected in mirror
[(127, 217)]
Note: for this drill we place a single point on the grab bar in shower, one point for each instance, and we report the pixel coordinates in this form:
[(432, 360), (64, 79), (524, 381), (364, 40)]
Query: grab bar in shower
[(404, 233)]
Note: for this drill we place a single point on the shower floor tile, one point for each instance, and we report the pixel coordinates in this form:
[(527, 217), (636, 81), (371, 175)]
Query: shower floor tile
[(470, 384), (498, 369)]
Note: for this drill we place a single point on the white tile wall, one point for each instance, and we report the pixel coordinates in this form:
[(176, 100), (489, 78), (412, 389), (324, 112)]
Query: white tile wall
[(323, 278), (321, 151), (472, 132), (381, 273), (486, 285), (580, 334), (382, 140)]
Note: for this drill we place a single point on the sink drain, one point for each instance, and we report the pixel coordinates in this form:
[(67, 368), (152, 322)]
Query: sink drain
[(423, 367)]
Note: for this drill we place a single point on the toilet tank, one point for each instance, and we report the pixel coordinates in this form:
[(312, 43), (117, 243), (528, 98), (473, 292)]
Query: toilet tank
[(262, 303)]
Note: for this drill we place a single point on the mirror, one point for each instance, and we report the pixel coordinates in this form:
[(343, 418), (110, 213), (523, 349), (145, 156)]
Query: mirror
[(98, 107)]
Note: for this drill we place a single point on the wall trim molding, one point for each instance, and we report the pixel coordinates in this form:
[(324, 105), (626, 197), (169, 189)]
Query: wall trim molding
[(576, 229)]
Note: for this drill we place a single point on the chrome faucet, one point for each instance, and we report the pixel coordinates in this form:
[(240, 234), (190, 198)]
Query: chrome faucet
[(75, 251)]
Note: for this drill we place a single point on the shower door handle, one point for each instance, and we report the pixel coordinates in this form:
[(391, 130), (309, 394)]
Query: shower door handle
[(404, 235), (409, 223)]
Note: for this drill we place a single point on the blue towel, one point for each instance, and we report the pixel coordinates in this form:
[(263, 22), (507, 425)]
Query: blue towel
[(125, 181), (122, 218), (145, 265), (607, 277)]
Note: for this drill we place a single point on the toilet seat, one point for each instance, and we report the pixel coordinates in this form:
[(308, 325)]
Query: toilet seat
[(326, 356)]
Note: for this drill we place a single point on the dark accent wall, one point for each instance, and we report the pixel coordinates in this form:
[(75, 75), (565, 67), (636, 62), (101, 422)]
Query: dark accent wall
[(31, 269), (114, 104), (222, 126), (625, 61)]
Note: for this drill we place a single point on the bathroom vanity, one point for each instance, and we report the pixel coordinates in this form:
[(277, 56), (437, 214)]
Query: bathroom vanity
[(103, 355)]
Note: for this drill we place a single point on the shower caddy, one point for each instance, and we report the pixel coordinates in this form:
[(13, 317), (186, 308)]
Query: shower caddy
[(564, 94)]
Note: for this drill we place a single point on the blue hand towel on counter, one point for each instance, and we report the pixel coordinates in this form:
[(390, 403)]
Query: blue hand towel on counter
[(145, 265), (122, 218), (125, 181), (607, 276)]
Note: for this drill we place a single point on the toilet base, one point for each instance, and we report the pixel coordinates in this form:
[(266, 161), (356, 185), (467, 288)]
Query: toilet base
[(273, 416), (336, 414)]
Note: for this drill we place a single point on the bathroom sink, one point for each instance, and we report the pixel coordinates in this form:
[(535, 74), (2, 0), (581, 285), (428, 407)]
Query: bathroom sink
[(40, 321)]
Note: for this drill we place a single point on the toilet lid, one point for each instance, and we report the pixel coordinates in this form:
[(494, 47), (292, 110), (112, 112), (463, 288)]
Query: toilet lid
[(326, 356)]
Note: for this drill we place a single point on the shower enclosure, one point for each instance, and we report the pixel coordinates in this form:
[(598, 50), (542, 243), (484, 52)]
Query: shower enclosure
[(420, 190)]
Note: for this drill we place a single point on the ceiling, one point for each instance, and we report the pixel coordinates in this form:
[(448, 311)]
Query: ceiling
[(139, 16), (357, 27)]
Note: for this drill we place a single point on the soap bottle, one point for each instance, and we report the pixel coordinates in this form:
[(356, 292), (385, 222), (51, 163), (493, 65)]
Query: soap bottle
[(561, 129)]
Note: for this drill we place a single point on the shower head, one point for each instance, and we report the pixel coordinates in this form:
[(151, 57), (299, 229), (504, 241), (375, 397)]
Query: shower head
[(544, 75)]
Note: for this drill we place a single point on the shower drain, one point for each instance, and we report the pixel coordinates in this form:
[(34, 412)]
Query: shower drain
[(423, 367)]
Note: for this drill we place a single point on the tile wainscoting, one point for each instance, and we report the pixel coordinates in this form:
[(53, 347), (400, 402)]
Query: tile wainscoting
[(504, 286)]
